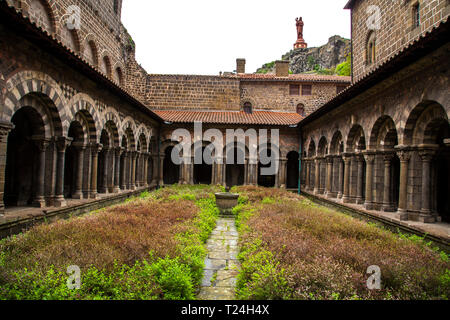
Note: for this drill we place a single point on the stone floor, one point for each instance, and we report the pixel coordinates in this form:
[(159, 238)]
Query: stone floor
[(221, 264)]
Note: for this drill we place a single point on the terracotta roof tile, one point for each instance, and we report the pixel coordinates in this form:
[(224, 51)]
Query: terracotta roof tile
[(231, 117)]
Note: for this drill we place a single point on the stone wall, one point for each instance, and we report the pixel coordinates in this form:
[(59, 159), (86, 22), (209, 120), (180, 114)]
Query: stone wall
[(101, 39), (275, 96), (191, 92), (396, 28)]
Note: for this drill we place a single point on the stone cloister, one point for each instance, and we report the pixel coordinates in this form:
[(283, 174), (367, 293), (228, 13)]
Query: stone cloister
[(381, 170)]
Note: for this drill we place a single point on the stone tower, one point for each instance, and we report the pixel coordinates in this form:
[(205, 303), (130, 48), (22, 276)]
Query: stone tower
[(300, 44)]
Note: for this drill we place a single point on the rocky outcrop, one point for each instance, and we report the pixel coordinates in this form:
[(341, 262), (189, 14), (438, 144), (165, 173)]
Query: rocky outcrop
[(313, 59)]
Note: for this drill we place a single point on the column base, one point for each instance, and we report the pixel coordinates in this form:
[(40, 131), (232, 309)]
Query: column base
[(94, 195), (116, 190), (339, 195), (368, 206), (359, 201), (402, 215), (59, 202), (39, 203), (426, 218), (346, 199), (77, 195)]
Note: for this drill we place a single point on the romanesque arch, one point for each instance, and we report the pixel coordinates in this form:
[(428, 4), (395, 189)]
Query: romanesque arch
[(89, 48), (44, 89), (42, 13)]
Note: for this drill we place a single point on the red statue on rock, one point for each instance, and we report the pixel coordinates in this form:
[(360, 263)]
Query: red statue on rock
[(300, 44)]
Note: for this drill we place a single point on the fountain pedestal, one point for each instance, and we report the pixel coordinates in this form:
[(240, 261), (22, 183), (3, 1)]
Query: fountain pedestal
[(226, 201)]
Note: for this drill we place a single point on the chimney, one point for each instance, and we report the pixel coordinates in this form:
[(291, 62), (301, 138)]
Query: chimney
[(282, 68), (240, 65)]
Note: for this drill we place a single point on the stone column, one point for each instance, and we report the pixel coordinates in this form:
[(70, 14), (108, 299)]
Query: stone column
[(133, 170), (104, 179), (39, 200), (61, 145), (80, 147), (341, 178), (404, 155), (5, 128), (161, 169), (370, 160), (145, 178), (138, 169), (95, 149), (282, 172), (155, 170), (329, 172), (426, 153), (347, 161), (117, 153), (317, 176), (387, 196), (307, 172), (360, 180), (123, 171)]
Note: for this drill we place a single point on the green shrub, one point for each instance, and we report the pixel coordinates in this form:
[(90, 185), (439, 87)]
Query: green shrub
[(174, 278)]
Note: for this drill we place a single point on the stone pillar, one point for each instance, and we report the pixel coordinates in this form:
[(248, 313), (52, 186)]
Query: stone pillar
[(133, 170), (360, 180), (5, 128), (155, 170), (161, 169), (317, 176), (145, 178), (370, 160), (282, 172), (123, 171), (308, 170), (39, 200), (347, 162), (117, 153), (104, 179), (61, 145), (95, 149), (329, 174), (426, 153), (387, 196), (79, 172), (341, 178), (404, 155), (138, 169)]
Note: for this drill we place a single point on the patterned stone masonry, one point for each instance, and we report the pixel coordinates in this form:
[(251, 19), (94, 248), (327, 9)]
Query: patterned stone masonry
[(221, 264)]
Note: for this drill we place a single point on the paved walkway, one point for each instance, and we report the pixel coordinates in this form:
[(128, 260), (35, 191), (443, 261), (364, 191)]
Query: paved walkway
[(221, 264)]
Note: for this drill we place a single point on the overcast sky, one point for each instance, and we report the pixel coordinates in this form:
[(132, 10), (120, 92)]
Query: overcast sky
[(206, 36)]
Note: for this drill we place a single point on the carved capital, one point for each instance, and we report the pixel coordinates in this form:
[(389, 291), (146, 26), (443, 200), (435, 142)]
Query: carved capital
[(5, 128), (387, 157), (369, 157), (62, 143), (96, 147), (118, 151)]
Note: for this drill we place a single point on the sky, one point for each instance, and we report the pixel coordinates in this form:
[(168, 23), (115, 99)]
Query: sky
[(206, 36)]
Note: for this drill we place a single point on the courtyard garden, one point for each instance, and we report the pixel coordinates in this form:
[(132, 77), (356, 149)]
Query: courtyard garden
[(154, 247)]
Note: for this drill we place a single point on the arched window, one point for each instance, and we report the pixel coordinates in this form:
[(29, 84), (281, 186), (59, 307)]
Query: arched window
[(248, 108), (371, 49), (301, 109)]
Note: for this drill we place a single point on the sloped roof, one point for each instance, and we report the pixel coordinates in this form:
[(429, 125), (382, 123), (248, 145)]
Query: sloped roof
[(231, 117)]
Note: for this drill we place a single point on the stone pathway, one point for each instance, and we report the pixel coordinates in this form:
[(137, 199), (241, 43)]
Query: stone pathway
[(221, 264)]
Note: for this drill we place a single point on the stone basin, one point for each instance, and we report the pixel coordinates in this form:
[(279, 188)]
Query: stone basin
[(226, 201)]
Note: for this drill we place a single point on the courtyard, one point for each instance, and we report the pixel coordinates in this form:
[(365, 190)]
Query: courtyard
[(173, 244)]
